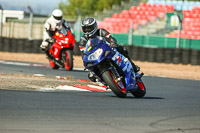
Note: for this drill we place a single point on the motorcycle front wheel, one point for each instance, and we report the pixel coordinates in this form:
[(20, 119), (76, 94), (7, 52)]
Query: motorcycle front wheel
[(117, 87), (53, 65), (68, 59), (141, 90)]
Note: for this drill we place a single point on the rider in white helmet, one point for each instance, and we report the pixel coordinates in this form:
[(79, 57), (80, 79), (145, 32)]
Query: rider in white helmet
[(52, 24)]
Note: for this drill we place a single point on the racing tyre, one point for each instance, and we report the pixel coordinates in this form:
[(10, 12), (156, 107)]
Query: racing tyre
[(68, 60), (141, 90), (53, 65), (117, 87)]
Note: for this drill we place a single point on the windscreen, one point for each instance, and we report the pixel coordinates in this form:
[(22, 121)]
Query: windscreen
[(63, 31), (92, 43)]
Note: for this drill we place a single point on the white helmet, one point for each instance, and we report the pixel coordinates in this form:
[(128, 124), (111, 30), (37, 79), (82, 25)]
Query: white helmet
[(57, 15)]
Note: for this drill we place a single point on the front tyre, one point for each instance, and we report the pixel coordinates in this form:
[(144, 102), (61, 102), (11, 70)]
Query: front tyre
[(68, 60), (53, 65), (117, 87), (141, 90)]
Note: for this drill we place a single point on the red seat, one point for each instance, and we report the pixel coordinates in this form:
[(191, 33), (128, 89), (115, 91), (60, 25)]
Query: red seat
[(115, 15), (141, 13), (106, 19), (171, 35), (126, 16), (153, 13), (143, 22), (187, 14), (194, 15), (161, 14), (124, 30), (144, 17), (195, 37), (170, 8), (124, 12), (197, 33), (152, 18), (135, 26), (196, 9), (133, 8), (116, 29), (139, 8), (142, 4), (161, 8)]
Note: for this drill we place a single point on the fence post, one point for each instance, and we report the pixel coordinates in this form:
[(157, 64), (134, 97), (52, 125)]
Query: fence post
[(1, 25), (30, 22)]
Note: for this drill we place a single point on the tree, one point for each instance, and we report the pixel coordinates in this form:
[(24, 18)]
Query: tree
[(86, 7)]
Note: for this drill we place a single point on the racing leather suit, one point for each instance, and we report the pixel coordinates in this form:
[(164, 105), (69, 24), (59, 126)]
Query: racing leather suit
[(50, 27), (112, 42)]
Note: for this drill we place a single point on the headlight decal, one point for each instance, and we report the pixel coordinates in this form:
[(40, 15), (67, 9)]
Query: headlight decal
[(95, 55)]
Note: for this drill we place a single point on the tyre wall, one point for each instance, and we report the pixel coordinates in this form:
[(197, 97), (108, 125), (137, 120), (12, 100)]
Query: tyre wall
[(138, 53)]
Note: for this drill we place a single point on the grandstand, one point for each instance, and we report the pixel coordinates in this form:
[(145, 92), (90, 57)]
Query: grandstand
[(142, 14), (190, 24), (179, 5), (151, 18)]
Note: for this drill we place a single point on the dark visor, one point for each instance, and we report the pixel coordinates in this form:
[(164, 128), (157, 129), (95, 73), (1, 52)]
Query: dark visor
[(57, 18), (88, 28)]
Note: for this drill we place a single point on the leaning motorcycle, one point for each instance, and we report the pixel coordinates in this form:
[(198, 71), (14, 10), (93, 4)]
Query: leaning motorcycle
[(112, 69), (60, 53)]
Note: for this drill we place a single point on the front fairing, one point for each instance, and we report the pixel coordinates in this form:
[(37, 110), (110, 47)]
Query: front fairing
[(64, 38), (127, 68), (94, 45), (97, 48)]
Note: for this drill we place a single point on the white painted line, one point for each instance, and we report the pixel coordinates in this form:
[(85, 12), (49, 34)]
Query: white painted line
[(22, 64), (70, 88), (78, 68), (98, 87), (39, 75), (47, 89)]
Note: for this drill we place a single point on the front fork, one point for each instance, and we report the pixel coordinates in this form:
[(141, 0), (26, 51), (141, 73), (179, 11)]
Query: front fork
[(107, 65)]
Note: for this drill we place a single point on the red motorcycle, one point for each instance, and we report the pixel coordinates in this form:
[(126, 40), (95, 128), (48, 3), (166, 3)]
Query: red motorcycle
[(61, 51)]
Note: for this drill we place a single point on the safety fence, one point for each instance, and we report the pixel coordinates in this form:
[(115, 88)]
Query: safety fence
[(140, 53)]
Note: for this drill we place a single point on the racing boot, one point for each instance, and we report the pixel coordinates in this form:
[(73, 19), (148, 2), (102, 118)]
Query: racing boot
[(124, 51), (135, 67), (48, 56), (92, 76)]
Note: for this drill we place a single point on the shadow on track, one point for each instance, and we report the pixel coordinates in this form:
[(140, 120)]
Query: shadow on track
[(132, 97)]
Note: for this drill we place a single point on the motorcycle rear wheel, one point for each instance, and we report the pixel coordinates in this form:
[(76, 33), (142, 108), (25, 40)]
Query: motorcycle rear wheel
[(53, 65), (113, 84), (141, 90), (68, 60)]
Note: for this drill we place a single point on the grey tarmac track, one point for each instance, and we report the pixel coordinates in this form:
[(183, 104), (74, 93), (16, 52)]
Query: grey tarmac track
[(170, 106)]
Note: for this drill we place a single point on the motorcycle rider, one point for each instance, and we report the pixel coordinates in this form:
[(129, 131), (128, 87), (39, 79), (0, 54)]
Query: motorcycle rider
[(89, 27), (52, 24)]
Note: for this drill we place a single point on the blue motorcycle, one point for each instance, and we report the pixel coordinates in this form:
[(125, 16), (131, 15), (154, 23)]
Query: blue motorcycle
[(112, 69)]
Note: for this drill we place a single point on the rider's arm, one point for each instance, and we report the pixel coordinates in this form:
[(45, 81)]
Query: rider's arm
[(82, 43), (64, 23), (48, 34), (108, 37), (47, 27)]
